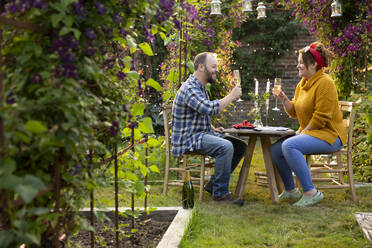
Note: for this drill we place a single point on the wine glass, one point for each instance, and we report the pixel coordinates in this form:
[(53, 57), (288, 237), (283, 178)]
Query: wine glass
[(238, 81), (277, 88)]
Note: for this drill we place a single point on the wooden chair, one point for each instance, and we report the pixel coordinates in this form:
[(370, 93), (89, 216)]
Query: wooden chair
[(330, 173), (197, 169)]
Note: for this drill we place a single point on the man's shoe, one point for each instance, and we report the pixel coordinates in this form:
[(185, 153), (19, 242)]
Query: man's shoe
[(209, 187), (228, 198), (306, 201), (294, 195)]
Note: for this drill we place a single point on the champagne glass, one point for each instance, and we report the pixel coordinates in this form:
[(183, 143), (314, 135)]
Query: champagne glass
[(238, 81), (277, 88)]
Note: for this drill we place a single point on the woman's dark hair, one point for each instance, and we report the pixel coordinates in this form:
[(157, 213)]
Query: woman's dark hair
[(308, 58)]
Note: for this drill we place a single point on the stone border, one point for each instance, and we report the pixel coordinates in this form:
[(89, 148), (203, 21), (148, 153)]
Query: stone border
[(174, 233), (365, 222), (172, 237)]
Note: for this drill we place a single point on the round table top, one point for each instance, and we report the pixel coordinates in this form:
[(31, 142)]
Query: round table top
[(272, 131)]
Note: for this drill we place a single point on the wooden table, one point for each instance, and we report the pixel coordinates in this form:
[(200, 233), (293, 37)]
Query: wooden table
[(273, 177)]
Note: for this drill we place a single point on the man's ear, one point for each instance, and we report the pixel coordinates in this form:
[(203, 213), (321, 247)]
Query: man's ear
[(201, 67)]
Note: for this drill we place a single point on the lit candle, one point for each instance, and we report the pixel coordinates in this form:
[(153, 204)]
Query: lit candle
[(267, 90), (256, 87), (256, 92)]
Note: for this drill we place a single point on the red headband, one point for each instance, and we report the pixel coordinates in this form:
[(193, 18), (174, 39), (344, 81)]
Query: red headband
[(316, 55)]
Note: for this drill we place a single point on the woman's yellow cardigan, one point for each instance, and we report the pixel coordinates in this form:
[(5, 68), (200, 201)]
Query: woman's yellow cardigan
[(316, 103)]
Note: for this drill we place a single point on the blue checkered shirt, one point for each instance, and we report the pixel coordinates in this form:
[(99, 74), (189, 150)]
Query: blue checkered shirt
[(191, 117)]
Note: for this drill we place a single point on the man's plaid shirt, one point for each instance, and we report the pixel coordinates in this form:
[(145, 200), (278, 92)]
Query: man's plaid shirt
[(191, 117)]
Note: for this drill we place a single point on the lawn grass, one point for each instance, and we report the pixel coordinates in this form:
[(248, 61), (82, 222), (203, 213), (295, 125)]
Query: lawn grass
[(260, 223)]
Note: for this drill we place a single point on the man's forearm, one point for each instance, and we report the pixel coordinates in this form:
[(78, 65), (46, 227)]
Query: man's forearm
[(225, 101)]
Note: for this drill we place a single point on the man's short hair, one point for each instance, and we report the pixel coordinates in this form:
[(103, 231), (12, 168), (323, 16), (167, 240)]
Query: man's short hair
[(200, 59)]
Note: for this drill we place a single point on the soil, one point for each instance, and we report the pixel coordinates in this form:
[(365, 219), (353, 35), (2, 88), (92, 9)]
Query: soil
[(150, 230)]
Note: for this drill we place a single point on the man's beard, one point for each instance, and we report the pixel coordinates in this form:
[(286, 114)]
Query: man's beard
[(210, 79)]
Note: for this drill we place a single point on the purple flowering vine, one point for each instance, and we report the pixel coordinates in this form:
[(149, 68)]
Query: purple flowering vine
[(36, 78), (100, 8), (114, 129), (90, 34), (121, 75), (79, 9)]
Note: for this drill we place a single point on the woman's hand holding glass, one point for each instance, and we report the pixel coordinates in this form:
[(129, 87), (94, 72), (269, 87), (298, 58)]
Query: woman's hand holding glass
[(277, 90)]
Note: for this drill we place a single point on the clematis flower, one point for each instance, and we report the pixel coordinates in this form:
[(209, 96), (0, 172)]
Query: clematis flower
[(79, 9), (36, 78), (121, 75), (100, 8), (114, 129), (90, 34)]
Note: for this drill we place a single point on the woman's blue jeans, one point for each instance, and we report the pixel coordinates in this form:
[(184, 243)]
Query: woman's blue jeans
[(227, 152), (288, 155)]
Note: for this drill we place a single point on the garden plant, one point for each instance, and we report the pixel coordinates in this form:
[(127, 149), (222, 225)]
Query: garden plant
[(82, 84)]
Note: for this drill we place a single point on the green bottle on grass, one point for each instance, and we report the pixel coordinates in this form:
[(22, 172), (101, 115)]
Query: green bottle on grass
[(187, 192)]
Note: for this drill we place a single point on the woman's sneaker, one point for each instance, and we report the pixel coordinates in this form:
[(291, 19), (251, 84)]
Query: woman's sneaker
[(306, 201), (293, 195)]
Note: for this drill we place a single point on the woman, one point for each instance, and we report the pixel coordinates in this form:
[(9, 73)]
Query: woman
[(315, 106)]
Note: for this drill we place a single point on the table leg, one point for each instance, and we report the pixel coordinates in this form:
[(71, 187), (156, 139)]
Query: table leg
[(278, 179), (265, 143), (243, 176)]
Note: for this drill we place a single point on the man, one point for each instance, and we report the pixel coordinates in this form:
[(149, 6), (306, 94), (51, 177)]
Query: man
[(192, 130)]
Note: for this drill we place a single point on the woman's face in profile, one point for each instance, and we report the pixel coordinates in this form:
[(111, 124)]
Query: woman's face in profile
[(304, 71)]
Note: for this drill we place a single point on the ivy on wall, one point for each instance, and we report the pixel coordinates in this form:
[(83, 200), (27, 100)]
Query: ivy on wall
[(261, 43)]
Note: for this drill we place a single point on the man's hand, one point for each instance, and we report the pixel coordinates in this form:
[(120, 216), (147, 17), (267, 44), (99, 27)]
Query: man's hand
[(218, 129), (236, 92)]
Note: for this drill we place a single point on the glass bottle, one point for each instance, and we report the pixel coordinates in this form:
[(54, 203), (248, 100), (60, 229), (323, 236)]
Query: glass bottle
[(187, 192)]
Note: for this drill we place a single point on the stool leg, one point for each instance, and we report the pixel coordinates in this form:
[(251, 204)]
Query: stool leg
[(202, 172)]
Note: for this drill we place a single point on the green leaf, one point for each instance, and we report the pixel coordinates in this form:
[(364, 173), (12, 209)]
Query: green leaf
[(131, 176), (24, 58), (172, 76), (38, 211), (133, 75), (68, 20), (38, 51), (140, 187), (34, 182), (131, 43), (154, 84), (35, 127), (154, 29), (137, 109), (127, 61), (9, 182), (31, 238), (166, 95), (126, 132), (5, 238), (145, 125), (154, 168), (162, 36), (23, 137), (64, 31), (56, 18), (152, 142), (29, 188), (77, 33), (143, 170), (7, 167), (190, 65), (146, 48), (67, 2)]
